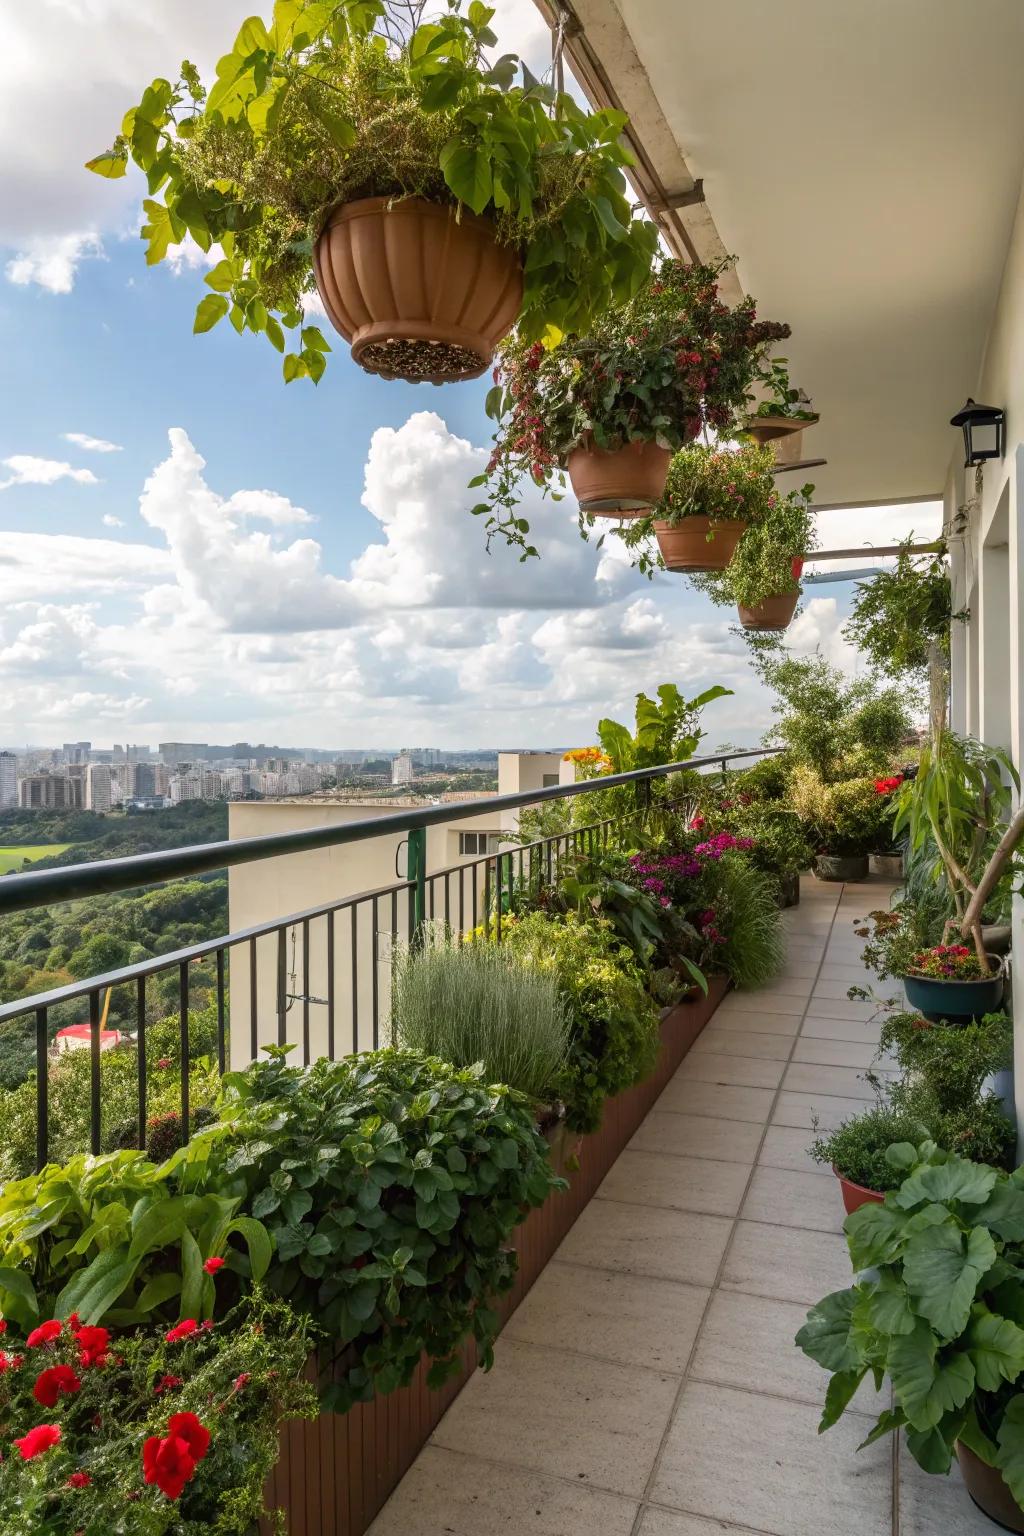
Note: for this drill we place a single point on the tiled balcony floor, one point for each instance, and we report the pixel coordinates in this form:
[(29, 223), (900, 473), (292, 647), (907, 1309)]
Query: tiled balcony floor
[(649, 1384)]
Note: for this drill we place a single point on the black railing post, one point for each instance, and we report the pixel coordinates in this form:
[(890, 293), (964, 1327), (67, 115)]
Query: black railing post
[(42, 1091), (417, 874)]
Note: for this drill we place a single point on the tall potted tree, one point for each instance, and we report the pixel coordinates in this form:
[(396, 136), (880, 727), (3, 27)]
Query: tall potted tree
[(397, 170), (611, 404)]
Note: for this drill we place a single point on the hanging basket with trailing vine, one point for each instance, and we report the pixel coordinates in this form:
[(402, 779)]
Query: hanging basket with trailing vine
[(388, 163)]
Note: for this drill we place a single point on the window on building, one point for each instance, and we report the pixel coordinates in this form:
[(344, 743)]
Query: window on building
[(476, 845), (548, 780)]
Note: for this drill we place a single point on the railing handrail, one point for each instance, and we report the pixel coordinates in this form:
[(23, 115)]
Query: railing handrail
[(104, 877)]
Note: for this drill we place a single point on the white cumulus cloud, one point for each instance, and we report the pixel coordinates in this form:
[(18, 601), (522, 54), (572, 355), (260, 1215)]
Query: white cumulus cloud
[(91, 444), (52, 261), (26, 469)]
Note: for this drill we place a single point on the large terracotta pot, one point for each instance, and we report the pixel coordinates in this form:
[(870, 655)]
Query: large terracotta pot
[(686, 546), (619, 482), (420, 294), (987, 1487), (856, 1195), (774, 613)]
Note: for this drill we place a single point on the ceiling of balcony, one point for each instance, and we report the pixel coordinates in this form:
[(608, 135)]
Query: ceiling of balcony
[(864, 164)]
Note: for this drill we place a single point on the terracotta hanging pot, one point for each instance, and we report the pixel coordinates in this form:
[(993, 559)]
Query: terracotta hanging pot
[(775, 613), (619, 482), (420, 294), (769, 429), (685, 546)]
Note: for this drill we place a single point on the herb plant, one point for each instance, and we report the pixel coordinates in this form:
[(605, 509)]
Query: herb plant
[(779, 396), (938, 1312), (478, 1003), (768, 558), (951, 1062), (333, 102), (857, 1148)]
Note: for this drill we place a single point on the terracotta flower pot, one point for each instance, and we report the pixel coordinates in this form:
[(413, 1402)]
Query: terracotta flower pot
[(686, 546), (987, 1487), (419, 294), (769, 429), (619, 482), (856, 1195), (775, 613)]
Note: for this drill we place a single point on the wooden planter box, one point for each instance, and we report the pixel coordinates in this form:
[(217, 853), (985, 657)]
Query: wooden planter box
[(336, 1472)]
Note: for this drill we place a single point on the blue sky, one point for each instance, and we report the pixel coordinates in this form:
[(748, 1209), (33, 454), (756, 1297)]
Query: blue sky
[(289, 564)]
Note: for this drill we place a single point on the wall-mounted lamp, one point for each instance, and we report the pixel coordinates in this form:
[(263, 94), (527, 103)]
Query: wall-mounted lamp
[(983, 432)]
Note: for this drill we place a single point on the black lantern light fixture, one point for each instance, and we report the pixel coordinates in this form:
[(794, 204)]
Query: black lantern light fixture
[(983, 431)]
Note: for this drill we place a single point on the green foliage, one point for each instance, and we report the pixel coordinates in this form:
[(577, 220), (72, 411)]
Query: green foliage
[(119, 1240), (765, 562), (780, 397), (614, 1040), (239, 1379), (950, 1062), (746, 908), (895, 935), (478, 1003), (666, 732), (649, 371), (390, 1185), (720, 483), (857, 1148), (330, 103), (824, 717), (940, 1313), (899, 614), (846, 817)]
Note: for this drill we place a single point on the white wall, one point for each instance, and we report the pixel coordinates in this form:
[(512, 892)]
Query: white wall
[(988, 568)]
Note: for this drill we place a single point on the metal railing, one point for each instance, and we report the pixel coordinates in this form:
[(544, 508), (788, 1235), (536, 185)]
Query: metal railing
[(338, 963)]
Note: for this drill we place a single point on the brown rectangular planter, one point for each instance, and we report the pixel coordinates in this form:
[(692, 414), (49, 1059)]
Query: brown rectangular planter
[(336, 1472)]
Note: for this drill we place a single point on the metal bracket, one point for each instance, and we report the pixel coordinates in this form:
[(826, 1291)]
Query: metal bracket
[(675, 200)]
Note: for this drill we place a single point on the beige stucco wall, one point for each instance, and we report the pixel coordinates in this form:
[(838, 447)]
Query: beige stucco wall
[(272, 889)]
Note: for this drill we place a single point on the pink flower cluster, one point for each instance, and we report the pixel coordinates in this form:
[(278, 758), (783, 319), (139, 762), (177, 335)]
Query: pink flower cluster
[(721, 843)]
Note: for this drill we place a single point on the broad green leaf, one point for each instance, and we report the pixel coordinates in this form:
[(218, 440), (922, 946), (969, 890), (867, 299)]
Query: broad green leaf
[(932, 1449), (467, 170), (93, 1290), (293, 368), (825, 1336), (1003, 1211), (252, 36), (222, 277), (274, 333), (192, 1278), (110, 164), (841, 1391), (16, 1283), (926, 1386), (313, 339), (209, 311), (976, 1440), (956, 1179), (902, 1154), (160, 231), (996, 1347), (886, 1306), (163, 1223), (874, 1234), (315, 363), (942, 1273), (257, 1240), (1010, 1459), (613, 226), (892, 1418), (158, 1290)]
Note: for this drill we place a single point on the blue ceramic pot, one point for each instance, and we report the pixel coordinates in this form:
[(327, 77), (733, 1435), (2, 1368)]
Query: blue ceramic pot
[(956, 1002)]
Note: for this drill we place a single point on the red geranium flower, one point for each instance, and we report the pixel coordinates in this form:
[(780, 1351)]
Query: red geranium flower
[(167, 1384), (79, 1480), (3, 1325), (193, 1431), (56, 1382), (182, 1331), (212, 1265), (43, 1438), (92, 1345), (171, 1462), (44, 1334)]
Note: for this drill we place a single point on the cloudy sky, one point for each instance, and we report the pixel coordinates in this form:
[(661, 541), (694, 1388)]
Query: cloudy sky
[(192, 550)]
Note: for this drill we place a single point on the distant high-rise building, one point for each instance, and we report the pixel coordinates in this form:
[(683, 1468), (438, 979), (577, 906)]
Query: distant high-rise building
[(174, 753), (99, 787), (43, 792), (402, 769), (144, 780), (8, 779), (76, 751)]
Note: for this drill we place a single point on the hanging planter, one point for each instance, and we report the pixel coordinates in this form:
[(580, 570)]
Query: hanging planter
[(420, 294), (619, 482), (782, 415), (400, 170), (698, 543), (772, 429), (774, 613)]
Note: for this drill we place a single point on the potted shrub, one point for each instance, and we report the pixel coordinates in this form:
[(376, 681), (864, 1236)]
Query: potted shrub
[(886, 860), (855, 1151), (429, 200), (782, 414), (843, 818), (935, 1307), (763, 576), (953, 982), (611, 403), (712, 495)]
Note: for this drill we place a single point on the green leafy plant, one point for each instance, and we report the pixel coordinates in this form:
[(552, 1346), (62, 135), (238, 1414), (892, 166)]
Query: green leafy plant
[(844, 818), (857, 1148), (894, 936), (390, 1184), (769, 556), (950, 1062), (838, 727), (333, 102), (182, 1432), (727, 483), (614, 1041), (478, 1003), (651, 370), (117, 1239), (667, 731), (778, 396), (746, 910), (939, 1312)]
